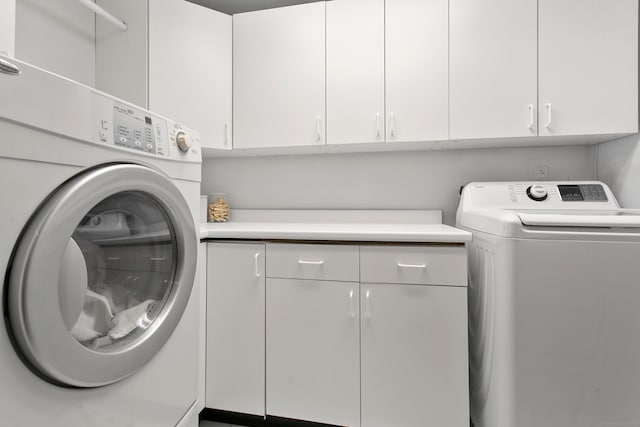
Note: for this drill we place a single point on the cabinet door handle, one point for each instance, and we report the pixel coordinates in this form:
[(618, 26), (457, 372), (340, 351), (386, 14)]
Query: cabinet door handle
[(352, 307), (367, 305), (530, 116), (548, 106), (226, 133), (310, 262), (392, 124), (318, 130), (401, 265), (256, 258), (378, 125)]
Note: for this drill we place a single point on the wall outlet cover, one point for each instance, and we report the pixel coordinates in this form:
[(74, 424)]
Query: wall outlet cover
[(540, 172)]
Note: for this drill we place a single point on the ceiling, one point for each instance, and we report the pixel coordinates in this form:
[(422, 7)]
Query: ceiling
[(238, 6)]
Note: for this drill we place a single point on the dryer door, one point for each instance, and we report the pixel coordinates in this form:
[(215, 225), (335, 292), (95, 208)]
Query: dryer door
[(102, 275)]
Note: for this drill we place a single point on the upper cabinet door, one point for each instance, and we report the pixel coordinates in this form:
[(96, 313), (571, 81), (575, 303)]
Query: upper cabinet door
[(493, 68), (190, 68), (588, 67), (279, 76), (355, 71), (417, 69)]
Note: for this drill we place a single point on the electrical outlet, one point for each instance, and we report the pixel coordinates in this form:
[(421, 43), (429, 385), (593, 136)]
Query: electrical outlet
[(540, 172)]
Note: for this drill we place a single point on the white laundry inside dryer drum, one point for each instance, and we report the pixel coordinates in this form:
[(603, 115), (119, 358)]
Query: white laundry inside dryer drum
[(118, 270)]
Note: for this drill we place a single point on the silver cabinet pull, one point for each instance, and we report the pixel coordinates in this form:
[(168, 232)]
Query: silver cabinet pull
[(352, 307), (392, 124), (548, 106), (401, 265), (531, 120), (367, 305), (256, 259), (310, 262)]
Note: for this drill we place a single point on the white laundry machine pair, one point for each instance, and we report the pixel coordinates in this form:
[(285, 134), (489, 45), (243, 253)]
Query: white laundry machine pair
[(98, 249), (554, 305)]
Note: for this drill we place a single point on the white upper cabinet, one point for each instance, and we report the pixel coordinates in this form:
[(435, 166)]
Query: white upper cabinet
[(279, 77), (493, 68), (190, 68), (355, 71), (387, 71), (588, 65), (416, 40)]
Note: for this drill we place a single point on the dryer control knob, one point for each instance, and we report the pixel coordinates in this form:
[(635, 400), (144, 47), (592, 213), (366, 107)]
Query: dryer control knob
[(537, 193), (184, 141)]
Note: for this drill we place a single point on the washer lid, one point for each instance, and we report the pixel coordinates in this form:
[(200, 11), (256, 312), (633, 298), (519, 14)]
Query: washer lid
[(624, 218)]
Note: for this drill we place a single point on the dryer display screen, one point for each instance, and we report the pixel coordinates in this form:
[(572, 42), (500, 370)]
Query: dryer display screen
[(582, 192)]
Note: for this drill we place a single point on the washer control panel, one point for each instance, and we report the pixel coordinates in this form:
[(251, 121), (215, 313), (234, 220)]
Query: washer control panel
[(563, 195), (554, 193), (125, 126)]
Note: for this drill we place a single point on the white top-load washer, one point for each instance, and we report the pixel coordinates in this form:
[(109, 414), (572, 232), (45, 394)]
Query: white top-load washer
[(98, 249), (554, 305)]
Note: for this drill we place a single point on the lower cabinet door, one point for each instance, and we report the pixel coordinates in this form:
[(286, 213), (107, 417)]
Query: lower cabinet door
[(414, 356), (313, 351), (235, 327)]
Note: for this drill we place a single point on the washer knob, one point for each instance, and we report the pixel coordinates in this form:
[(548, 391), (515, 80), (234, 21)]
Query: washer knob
[(537, 193), (184, 141)]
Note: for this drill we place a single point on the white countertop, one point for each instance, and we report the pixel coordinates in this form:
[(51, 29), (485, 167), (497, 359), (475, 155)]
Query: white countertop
[(357, 226)]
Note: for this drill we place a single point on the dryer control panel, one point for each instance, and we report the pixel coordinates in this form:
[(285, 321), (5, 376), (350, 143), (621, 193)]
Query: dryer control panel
[(122, 125), (136, 130)]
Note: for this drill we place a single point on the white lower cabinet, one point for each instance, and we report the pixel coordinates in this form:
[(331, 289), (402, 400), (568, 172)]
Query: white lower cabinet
[(313, 357), (390, 351), (235, 327), (414, 355)]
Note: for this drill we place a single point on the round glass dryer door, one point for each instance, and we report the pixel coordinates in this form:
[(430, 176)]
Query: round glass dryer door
[(102, 275)]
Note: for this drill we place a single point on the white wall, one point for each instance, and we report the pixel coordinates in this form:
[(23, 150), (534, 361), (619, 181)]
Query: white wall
[(57, 35), (406, 180), (619, 167), (7, 26), (121, 56)]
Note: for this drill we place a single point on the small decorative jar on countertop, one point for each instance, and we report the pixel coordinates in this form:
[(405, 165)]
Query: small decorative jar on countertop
[(218, 208)]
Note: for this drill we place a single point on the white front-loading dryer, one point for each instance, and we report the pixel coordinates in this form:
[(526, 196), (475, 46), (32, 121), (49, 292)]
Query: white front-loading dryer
[(98, 250), (554, 298)]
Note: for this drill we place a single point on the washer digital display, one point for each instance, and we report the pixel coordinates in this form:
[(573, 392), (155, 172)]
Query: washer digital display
[(582, 192)]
